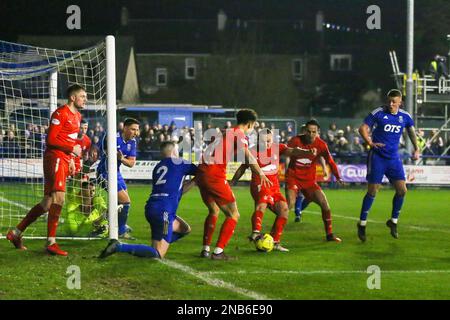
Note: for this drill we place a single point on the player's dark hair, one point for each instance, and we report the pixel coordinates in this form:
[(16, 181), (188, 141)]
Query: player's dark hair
[(244, 116), (130, 121), (313, 122), (394, 93), (83, 121), (166, 144), (73, 89)]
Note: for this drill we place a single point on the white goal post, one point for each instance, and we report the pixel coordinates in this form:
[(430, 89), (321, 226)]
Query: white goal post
[(33, 81)]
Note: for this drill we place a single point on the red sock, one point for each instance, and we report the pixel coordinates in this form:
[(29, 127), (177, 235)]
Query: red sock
[(208, 230), (226, 232), (257, 220), (53, 218), (31, 217), (277, 228), (326, 217)]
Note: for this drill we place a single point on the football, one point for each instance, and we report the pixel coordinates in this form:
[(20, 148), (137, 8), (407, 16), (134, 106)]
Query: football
[(264, 243)]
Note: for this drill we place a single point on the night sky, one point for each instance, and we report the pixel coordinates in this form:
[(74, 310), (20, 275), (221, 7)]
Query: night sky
[(102, 17)]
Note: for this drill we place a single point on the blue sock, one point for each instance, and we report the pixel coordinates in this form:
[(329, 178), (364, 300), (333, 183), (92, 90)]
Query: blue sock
[(123, 217), (177, 236), (397, 204), (305, 204), (366, 205), (139, 250), (298, 205)]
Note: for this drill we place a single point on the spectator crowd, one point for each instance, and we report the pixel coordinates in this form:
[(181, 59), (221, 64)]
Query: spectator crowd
[(345, 144)]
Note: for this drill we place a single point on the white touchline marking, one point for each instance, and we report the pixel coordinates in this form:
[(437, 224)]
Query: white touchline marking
[(325, 272), (380, 222), (205, 276)]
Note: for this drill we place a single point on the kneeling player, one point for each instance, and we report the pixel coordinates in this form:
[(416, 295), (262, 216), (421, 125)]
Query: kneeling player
[(301, 174), (161, 207), (268, 155)]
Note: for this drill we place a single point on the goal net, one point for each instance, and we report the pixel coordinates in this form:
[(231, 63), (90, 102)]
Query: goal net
[(33, 83)]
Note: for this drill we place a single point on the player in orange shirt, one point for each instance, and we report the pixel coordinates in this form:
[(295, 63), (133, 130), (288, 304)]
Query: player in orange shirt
[(85, 143), (214, 188), (301, 174), (268, 155), (61, 147)]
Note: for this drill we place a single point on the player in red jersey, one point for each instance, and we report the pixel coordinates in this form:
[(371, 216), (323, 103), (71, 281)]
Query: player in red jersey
[(61, 146), (214, 188), (268, 155), (301, 174), (85, 142)]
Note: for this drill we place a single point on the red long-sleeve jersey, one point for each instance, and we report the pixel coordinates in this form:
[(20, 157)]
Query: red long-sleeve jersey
[(63, 132), (304, 167)]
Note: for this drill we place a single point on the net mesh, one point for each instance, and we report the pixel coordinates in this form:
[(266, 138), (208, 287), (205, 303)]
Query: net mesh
[(33, 82)]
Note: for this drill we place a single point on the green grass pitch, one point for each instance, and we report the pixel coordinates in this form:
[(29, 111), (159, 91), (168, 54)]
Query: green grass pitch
[(415, 266)]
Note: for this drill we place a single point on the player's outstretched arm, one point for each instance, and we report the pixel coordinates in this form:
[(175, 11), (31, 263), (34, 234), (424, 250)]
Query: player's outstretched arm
[(413, 137), (323, 164), (256, 168), (334, 168), (238, 174), (188, 185)]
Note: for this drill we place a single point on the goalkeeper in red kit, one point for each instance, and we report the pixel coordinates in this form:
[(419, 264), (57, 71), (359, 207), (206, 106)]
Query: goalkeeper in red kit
[(61, 148), (301, 173)]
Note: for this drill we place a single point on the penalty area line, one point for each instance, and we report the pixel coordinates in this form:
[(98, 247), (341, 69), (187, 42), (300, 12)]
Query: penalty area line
[(206, 277)]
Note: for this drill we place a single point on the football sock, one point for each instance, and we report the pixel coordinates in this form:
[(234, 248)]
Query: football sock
[(326, 217), (177, 236), (366, 205), (218, 250), (208, 230), (305, 203), (31, 216), (277, 228), (257, 221), (226, 232), (397, 203), (139, 250), (298, 205), (123, 217), (52, 222)]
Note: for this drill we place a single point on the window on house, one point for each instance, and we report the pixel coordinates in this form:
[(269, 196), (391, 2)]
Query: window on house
[(190, 71), (297, 69), (341, 62), (161, 77)]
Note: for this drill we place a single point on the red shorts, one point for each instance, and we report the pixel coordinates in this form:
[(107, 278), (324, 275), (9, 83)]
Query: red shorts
[(306, 187), (213, 190), (56, 171), (270, 195)]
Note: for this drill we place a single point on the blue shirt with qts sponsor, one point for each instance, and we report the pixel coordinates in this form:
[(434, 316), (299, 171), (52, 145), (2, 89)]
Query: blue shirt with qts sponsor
[(387, 128)]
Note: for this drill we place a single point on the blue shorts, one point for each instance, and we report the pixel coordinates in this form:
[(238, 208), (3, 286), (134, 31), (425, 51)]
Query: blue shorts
[(120, 182), (378, 166), (161, 222)]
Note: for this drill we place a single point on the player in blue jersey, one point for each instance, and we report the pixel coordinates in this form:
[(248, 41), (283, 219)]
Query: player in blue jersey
[(161, 207), (126, 155), (386, 125)]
